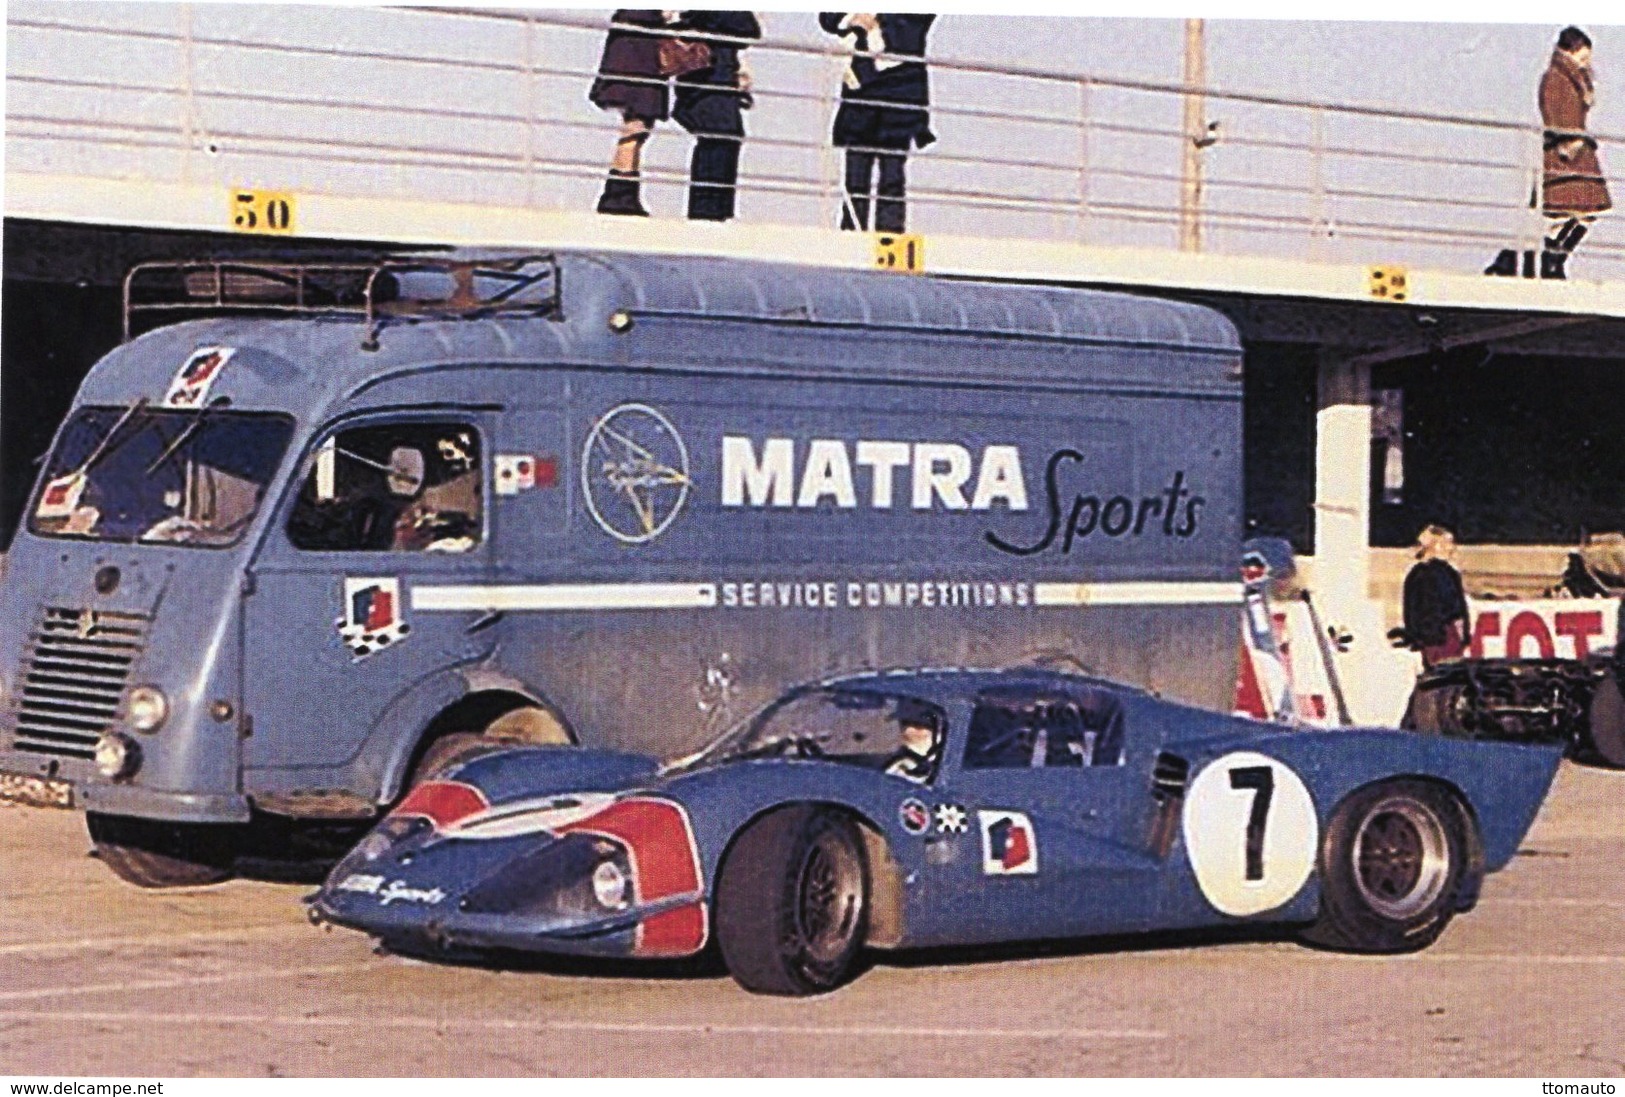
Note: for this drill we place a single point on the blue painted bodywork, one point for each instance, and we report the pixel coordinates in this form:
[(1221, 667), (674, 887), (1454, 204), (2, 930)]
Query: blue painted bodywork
[(1100, 869), (1125, 412)]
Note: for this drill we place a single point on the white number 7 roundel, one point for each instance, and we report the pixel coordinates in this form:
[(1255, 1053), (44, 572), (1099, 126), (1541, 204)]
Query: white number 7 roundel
[(1250, 832)]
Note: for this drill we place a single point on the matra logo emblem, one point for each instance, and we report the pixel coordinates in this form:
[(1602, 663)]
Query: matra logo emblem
[(634, 473)]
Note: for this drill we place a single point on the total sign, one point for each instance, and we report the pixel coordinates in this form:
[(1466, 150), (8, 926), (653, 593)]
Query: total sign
[(1556, 628)]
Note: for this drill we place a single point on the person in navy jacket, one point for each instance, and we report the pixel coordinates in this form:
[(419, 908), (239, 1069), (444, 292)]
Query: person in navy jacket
[(884, 112)]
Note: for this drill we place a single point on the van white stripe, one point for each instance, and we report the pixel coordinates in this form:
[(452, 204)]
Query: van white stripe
[(567, 596), (612, 596), (1136, 594)]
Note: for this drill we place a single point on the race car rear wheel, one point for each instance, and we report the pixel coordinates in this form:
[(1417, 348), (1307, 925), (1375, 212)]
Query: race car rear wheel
[(1606, 722), (1391, 867), (151, 853), (792, 902)]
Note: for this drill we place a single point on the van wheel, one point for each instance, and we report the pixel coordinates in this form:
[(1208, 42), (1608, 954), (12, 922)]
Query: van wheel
[(152, 853), (792, 902), (1391, 867), (448, 751), (1606, 723)]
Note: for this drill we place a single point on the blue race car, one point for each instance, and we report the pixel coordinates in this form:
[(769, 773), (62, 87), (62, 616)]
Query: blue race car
[(943, 807)]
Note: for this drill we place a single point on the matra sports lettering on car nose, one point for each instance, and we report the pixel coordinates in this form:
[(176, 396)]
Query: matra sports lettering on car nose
[(395, 891)]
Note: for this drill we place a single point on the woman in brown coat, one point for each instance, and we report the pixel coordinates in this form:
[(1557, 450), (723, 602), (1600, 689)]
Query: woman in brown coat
[(1574, 190)]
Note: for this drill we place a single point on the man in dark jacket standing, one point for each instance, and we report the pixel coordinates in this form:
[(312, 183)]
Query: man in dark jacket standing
[(1574, 190), (884, 111), (710, 104), (1435, 603)]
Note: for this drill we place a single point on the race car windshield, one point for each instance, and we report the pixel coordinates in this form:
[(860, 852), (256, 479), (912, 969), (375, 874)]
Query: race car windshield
[(858, 727), (135, 475)]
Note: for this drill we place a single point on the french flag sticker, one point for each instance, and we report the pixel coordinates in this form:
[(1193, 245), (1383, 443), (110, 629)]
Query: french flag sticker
[(372, 617), (1009, 844)]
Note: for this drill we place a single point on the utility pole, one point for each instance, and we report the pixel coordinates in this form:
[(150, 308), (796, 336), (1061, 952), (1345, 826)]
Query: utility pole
[(1190, 197)]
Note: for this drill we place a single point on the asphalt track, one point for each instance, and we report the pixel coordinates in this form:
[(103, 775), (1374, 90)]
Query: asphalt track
[(99, 978)]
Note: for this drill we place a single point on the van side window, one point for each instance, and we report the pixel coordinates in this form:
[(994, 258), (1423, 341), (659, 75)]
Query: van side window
[(1010, 731), (397, 487)]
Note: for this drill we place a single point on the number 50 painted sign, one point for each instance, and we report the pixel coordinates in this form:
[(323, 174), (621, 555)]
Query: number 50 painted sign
[(262, 211)]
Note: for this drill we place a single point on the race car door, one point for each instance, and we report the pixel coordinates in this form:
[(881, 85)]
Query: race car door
[(1055, 824)]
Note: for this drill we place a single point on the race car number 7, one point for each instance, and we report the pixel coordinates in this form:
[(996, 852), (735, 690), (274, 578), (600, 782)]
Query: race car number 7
[(1250, 832), (1262, 781)]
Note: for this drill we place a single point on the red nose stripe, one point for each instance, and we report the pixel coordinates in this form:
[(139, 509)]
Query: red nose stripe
[(443, 802), (665, 863)]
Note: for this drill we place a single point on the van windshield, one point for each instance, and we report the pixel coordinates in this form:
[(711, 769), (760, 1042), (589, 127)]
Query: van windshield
[(135, 474)]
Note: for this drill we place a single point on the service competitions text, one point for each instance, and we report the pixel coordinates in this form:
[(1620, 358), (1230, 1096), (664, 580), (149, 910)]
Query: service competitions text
[(834, 594)]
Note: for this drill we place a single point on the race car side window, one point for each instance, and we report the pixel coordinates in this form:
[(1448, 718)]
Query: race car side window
[(1011, 731), (395, 487)]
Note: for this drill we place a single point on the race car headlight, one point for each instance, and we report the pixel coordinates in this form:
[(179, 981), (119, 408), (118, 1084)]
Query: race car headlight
[(579, 877), (609, 885), (147, 708), (117, 756)]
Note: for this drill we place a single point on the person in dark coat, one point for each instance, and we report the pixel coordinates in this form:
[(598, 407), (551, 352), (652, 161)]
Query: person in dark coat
[(884, 112), (1435, 603), (1574, 191), (709, 103)]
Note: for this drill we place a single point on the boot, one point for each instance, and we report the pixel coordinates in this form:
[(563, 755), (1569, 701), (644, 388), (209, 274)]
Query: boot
[(1551, 264), (1505, 265), (621, 195)]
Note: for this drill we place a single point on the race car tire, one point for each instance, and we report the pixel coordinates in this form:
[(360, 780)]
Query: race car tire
[(1391, 867), (1434, 710), (1606, 722), (792, 902), (151, 853)]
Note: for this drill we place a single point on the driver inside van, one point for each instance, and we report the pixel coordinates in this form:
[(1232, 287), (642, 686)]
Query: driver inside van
[(444, 516), (920, 735)]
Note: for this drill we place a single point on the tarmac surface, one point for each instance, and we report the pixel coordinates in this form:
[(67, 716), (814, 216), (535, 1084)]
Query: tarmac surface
[(99, 978)]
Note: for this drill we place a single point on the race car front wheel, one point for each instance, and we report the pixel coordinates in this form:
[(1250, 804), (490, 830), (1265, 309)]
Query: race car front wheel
[(1391, 866), (151, 853), (792, 902)]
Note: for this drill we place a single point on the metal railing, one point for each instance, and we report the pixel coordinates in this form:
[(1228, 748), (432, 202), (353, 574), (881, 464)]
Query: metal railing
[(495, 112)]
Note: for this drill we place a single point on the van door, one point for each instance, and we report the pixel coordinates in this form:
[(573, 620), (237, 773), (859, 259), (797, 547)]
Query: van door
[(382, 504)]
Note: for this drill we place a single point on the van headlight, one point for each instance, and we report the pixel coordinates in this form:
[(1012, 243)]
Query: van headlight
[(117, 756), (147, 708)]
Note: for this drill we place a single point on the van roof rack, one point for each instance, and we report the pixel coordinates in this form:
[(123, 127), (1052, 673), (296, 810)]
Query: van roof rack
[(406, 288)]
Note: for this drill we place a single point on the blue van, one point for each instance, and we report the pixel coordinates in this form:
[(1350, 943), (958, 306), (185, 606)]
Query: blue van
[(284, 560)]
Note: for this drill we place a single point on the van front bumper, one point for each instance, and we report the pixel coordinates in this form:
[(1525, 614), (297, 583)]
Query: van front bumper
[(92, 793)]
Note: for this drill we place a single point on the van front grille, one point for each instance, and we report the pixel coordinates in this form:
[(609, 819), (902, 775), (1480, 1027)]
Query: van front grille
[(73, 682)]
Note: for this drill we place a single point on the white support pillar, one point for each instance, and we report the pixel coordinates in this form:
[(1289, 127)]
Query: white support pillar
[(1342, 484), (1376, 677)]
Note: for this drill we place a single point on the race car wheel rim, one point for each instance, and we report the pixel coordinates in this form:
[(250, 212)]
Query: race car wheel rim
[(1401, 859), (829, 897)]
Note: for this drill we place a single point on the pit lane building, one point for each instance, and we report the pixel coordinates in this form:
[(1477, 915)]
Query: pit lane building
[(1389, 383)]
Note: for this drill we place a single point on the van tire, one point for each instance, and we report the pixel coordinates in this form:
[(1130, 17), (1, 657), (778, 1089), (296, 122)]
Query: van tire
[(448, 751), (1392, 864), (792, 902), (152, 853)]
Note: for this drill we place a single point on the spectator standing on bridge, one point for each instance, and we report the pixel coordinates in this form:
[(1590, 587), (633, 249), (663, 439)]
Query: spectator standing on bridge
[(1435, 602), (1574, 191), (884, 112), (634, 78), (711, 101)]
